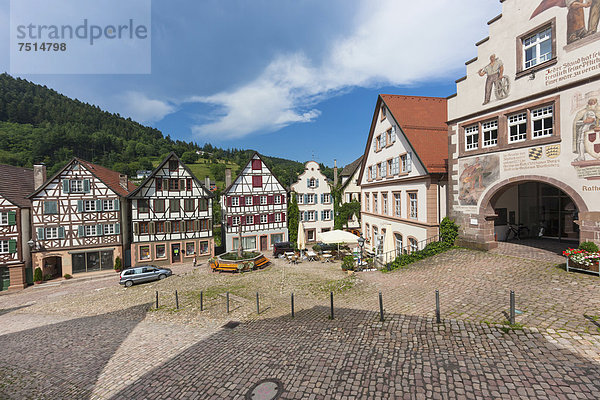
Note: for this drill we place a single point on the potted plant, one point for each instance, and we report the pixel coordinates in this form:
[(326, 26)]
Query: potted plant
[(38, 277), (348, 263), (67, 276), (582, 259), (118, 265)]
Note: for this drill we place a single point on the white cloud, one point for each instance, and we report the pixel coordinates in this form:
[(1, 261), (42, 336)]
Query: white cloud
[(395, 43), (143, 109)]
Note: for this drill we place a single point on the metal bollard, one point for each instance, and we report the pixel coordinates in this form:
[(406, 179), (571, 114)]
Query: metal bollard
[(292, 304), (438, 317), (381, 307), (257, 305), (201, 300), (227, 302), (176, 300), (157, 299), (331, 298), (512, 308)]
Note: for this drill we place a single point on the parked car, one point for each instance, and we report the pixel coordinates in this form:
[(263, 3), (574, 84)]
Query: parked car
[(145, 273), (282, 247)]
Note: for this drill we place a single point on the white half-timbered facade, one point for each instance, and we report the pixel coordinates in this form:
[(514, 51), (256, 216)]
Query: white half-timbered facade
[(315, 201), (15, 260), (255, 207), (80, 219), (171, 216)]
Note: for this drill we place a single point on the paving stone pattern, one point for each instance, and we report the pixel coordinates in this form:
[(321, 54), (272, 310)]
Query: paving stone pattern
[(96, 340)]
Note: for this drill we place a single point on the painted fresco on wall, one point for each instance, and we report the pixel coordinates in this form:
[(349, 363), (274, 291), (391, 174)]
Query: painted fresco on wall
[(495, 80), (476, 175), (582, 17), (586, 140)]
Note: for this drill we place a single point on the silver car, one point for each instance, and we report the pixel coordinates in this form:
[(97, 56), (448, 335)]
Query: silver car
[(145, 273)]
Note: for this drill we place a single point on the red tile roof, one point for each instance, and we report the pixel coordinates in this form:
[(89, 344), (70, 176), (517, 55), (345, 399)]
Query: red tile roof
[(109, 177), (15, 184), (423, 121)]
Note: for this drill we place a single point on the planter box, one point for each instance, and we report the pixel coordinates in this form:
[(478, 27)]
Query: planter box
[(582, 267)]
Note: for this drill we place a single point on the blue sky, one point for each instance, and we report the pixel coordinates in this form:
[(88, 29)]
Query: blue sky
[(289, 78)]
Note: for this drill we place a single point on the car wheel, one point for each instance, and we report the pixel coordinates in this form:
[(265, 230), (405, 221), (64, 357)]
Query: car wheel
[(161, 277), (128, 283)]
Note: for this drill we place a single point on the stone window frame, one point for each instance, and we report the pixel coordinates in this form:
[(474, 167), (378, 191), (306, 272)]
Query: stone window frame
[(503, 130), (521, 71)]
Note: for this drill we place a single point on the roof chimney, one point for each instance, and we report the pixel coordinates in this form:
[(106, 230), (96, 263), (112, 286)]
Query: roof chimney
[(207, 182), (123, 181), (227, 177), (335, 174), (39, 175)]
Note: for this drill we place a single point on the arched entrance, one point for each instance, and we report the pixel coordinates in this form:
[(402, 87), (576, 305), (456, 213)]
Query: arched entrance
[(545, 208), (52, 266)]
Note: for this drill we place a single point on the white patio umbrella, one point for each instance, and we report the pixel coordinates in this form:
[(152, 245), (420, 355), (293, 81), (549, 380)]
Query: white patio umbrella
[(389, 244), (301, 242), (337, 236)]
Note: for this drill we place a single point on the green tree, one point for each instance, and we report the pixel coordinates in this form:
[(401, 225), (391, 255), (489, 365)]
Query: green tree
[(189, 157), (293, 218)]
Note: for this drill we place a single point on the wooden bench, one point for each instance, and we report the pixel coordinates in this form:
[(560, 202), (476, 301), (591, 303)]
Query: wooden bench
[(261, 262), (226, 267)]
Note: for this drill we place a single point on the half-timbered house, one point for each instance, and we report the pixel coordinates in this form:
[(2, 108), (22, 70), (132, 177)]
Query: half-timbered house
[(80, 219), (16, 183), (171, 216), (254, 207)]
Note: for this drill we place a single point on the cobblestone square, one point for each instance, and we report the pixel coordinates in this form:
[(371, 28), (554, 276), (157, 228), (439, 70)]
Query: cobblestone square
[(94, 339)]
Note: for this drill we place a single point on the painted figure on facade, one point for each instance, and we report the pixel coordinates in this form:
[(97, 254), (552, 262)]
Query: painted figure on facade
[(495, 79), (576, 28), (586, 129), (475, 177)]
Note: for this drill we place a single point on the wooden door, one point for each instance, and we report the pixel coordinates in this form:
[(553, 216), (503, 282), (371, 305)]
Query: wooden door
[(175, 253), (263, 243)]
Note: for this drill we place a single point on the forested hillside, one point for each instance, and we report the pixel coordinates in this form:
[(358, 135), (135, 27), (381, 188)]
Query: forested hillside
[(37, 124)]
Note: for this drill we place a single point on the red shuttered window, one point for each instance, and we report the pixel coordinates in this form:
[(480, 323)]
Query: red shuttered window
[(257, 181)]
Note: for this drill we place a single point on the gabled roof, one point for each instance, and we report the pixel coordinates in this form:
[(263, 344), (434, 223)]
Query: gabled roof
[(423, 122), (160, 166), (15, 184), (226, 190), (351, 168), (109, 177)]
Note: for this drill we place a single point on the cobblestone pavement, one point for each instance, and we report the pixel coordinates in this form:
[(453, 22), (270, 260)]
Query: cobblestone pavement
[(97, 340)]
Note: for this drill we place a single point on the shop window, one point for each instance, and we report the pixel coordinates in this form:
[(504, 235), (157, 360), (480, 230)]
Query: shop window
[(204, 247), (161, 251), (190, 248), (144, 252)]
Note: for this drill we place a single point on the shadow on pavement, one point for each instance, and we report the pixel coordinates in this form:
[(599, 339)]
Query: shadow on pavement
[(9, 310), (357, 356), (63, 360)]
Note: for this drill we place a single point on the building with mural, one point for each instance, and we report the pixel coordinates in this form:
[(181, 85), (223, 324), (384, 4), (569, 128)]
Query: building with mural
[(524, 127), (254, 208), (80, 219), (171, 214), (403, 176), (315, 202)]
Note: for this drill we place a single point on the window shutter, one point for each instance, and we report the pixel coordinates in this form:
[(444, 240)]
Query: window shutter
[(256, 219), (256, 200), (98, 205), (209, 224), (80, 205), (242, 201), (117, 205), (316, 215), (151, 228), (307, 182), (306, 215), (81, 230), (283, 217), (270, 199), (408, 162), (305, 199), (40, 233), (271, 217), (86, 185), (99, 231), (12, 218), (66, 185), (229, 201), (323, 215), (12, 246), (136, 228), (316, 199), (196, 225), (168, 226), (393, 134), (61, 232), (322, 198), (118, 228), (242, 220), (229, 221), (317, 182)]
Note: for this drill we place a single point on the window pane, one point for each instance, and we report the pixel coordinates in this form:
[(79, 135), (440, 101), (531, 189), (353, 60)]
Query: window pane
[(78, 261), (107, 260), (93, 261)]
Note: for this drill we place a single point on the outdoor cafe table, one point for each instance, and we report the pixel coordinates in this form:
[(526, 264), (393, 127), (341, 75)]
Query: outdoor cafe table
[(312, 256), (327, 257)]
